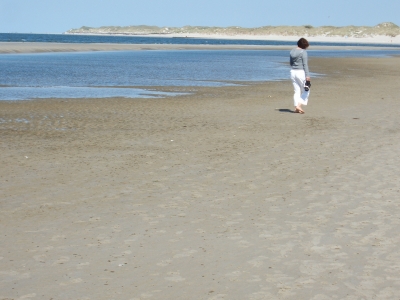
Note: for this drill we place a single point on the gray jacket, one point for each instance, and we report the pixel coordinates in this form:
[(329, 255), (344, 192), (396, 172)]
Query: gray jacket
[(299, 60)]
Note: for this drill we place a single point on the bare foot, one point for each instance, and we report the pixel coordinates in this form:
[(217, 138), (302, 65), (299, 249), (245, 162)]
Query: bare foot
[(299, 110)]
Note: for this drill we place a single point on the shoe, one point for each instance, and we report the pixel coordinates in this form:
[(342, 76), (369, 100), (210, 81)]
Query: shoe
[(307, 85)]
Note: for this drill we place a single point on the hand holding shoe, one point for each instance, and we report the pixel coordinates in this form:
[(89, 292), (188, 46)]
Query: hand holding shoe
[(307, 85)]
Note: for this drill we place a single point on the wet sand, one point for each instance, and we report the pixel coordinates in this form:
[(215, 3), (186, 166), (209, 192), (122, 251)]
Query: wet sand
[(222, 194), (29, 47)]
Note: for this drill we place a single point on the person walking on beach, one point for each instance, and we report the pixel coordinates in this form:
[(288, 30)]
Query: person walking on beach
[(300, 75)]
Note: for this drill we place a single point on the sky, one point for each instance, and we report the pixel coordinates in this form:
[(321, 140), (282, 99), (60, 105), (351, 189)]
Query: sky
[(57, 16)]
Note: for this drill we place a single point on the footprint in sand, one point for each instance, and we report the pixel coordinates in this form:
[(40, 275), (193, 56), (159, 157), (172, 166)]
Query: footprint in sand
[(174, 276)]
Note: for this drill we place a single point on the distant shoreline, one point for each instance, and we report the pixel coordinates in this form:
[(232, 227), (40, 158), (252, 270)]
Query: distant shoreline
[(378, 39), (386, 32)]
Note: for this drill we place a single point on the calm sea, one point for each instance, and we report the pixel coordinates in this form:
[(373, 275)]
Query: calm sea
[(131, 73), (132, 39)]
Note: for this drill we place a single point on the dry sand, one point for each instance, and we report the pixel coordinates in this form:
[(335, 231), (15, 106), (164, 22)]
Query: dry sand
[(370, 39), (222, 194)]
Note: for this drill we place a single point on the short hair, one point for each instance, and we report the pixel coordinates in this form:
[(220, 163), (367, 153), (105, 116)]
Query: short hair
[(303, 43)]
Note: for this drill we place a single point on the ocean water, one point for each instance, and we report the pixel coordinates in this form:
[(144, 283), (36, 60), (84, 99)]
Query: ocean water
[(132, 74), (132, 39), (125, 73)]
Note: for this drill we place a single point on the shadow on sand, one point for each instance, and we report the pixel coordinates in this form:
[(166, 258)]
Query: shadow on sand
[(285, 110)]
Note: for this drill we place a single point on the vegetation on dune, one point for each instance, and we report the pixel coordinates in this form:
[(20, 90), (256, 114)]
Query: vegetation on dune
[(387, 28)]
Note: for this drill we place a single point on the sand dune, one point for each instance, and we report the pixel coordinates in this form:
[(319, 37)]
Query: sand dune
[(382, 33), (387, 28)]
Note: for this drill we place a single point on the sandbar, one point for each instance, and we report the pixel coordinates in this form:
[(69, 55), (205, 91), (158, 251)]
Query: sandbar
[(39, 47)]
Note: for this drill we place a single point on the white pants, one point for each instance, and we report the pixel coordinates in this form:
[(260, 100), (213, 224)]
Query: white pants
[(300, 95)]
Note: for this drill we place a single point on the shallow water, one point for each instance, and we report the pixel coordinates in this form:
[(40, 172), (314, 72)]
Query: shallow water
[(66, 75), (97, 74)]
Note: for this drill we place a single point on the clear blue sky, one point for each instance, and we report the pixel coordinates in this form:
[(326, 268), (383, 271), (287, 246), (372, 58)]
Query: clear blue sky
[(56, 16)]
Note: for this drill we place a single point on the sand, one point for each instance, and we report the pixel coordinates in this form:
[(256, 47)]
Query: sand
[(37, 47), (29, 47), (367, 39), (222, 194)]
